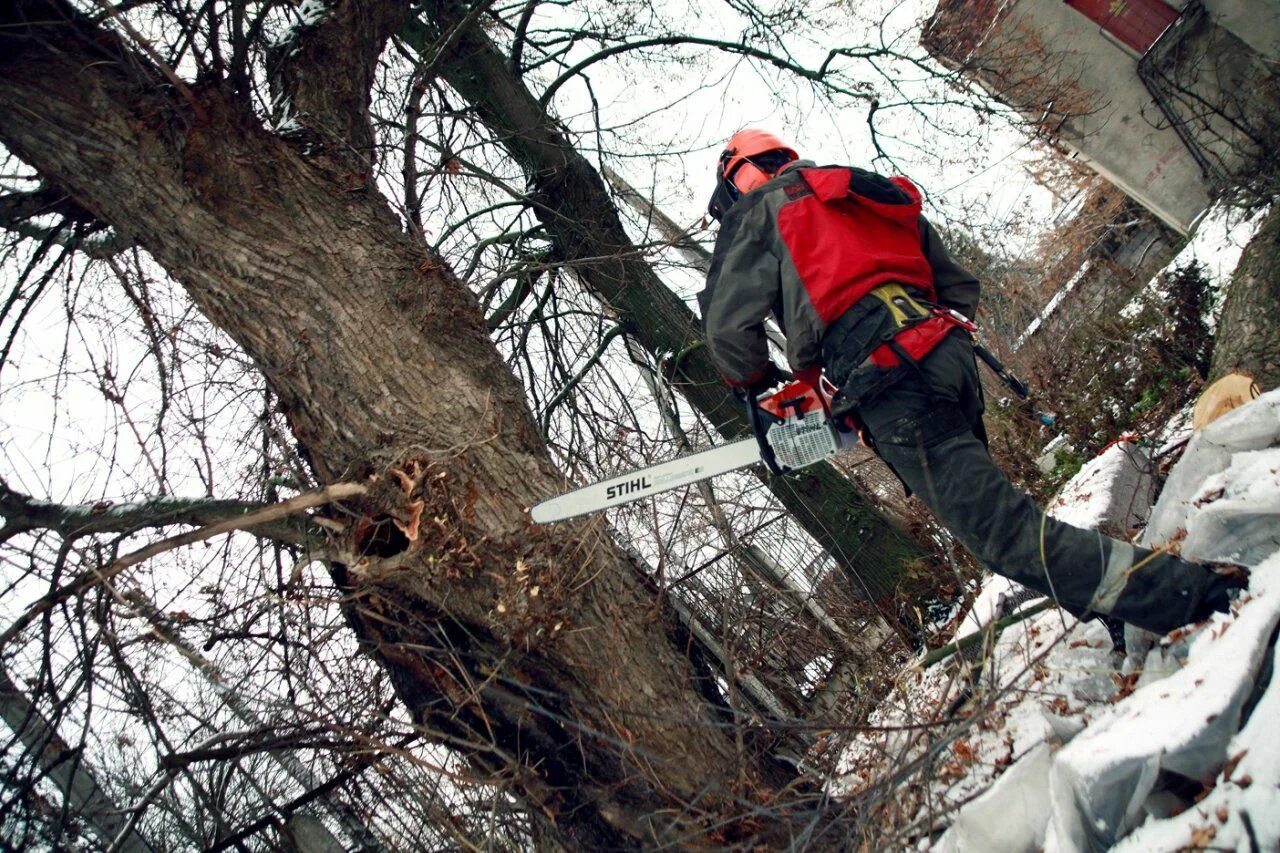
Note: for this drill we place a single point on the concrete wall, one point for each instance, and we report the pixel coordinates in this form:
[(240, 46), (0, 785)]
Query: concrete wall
[(1120, 137), (1255, 22), (1202, 63), (1217, 73)]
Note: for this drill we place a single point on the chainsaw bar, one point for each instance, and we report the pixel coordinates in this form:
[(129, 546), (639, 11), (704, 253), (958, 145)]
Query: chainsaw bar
[(792, 429), (646, 482)]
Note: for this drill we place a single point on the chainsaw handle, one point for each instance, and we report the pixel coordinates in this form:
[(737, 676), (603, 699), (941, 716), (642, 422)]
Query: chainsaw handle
[(760, 429)]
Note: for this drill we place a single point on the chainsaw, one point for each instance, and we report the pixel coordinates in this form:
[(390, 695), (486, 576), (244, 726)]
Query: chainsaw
[(792, 428)]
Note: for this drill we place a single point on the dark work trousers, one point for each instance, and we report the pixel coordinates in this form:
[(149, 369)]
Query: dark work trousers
[(928, 427)]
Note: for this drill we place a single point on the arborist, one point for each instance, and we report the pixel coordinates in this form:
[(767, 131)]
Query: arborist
[(864, 290)]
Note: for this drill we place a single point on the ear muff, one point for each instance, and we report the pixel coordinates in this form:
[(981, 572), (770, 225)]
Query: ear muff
[(748, 176), (736, 173), (722, 199)]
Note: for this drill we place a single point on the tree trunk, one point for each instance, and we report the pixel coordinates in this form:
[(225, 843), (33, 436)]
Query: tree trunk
[(1248, 336), (534, 651), (68, 770), (570, 199)]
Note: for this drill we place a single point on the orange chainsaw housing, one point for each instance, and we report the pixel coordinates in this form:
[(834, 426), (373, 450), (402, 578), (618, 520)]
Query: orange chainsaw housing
[(792, 399)]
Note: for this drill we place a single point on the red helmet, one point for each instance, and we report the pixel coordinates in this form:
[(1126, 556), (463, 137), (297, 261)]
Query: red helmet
[(736, 159), (750, 158)]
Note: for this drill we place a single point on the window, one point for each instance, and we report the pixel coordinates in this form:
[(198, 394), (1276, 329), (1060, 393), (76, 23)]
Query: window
[(1137, 23)]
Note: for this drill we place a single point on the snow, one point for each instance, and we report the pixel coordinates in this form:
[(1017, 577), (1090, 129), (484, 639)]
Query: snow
[(1236, 454), (309, 13), (1070, 749), (1116, 487), (989, 605), (1241, 809), (1239, 524), (1218, 242), (1048, 458), (1181, 724)]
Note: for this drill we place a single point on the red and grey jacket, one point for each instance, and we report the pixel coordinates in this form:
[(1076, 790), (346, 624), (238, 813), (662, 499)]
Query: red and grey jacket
[(806, 247)]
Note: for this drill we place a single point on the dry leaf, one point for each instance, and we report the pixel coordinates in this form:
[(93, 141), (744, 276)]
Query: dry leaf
[(1202, 837), (1230, 767)]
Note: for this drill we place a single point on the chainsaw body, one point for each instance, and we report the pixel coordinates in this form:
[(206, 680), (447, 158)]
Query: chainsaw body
[(794, 428)]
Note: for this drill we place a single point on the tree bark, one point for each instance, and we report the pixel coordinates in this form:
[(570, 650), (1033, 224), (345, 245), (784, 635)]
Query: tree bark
[(532, 650), (1248, 335), (571, 200)]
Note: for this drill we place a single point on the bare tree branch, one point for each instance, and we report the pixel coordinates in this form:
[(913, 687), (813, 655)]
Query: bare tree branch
[(22, 514), (68, 769), (262, 515)]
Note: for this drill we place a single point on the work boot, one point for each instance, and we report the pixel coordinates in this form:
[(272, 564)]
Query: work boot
[(1228, 583)]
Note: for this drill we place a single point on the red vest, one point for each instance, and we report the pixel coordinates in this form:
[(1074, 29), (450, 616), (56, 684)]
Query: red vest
[(844, 244)]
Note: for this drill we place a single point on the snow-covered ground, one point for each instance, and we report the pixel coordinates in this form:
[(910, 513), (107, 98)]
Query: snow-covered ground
[(1048, 738)]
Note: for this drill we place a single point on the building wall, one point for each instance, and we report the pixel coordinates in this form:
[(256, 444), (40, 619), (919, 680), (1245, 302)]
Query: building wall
[(1082, 86), (1202, 64), (1255, 22), (1123, 135)]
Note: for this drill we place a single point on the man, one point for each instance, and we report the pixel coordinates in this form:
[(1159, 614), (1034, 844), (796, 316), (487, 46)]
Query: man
[(863, 288)]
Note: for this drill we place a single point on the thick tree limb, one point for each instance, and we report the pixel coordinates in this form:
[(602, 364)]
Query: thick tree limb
[(1246, 339), (322, 74), (681, 239), (18, 207), (518, 40), (22, 513)]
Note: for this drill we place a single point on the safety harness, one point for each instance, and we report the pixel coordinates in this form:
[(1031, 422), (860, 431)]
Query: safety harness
[(882, 338)]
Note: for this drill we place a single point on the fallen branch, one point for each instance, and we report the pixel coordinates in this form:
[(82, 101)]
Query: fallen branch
[(971, 640)]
